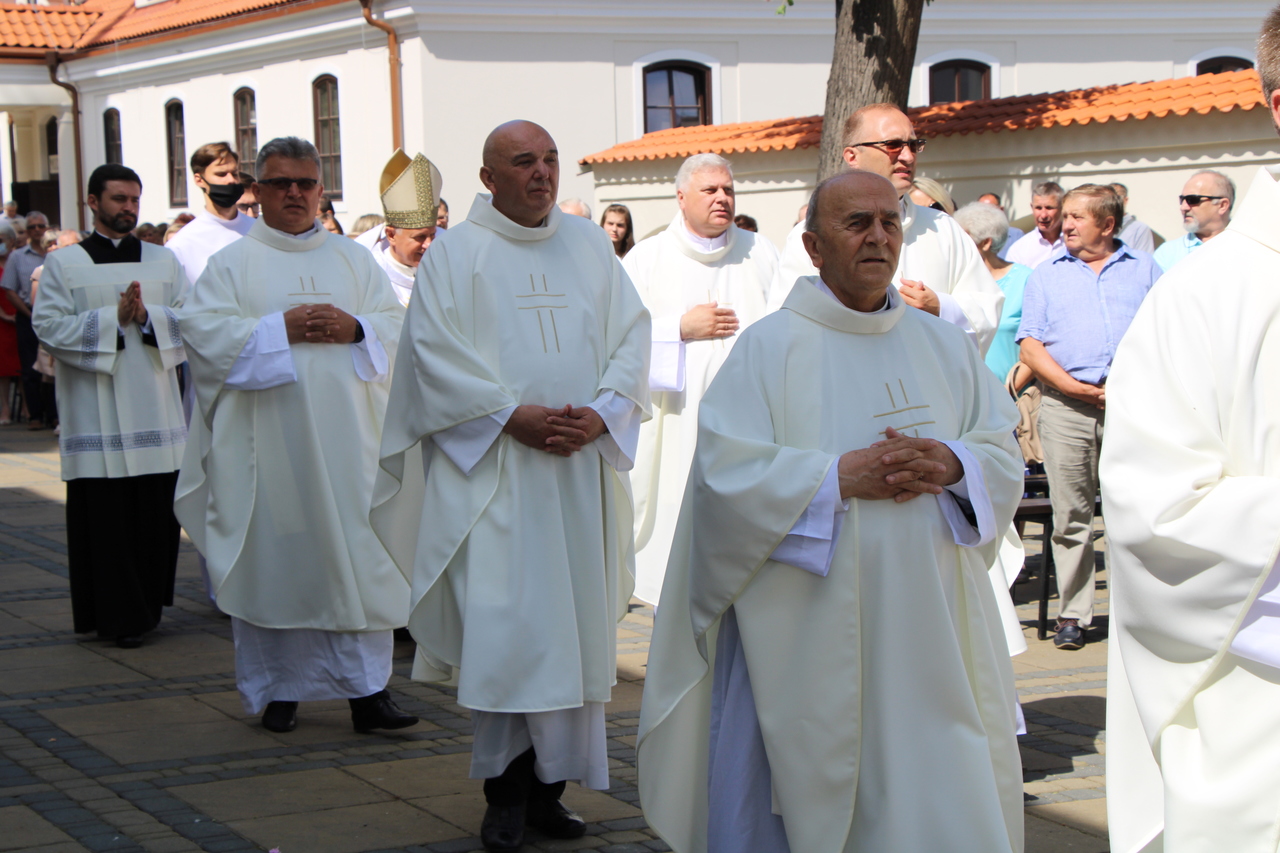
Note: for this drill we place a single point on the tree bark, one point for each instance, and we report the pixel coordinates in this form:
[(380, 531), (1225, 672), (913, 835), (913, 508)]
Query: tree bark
[(875, 50)]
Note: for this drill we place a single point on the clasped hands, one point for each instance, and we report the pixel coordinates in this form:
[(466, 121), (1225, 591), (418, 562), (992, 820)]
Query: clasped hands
[(130, 308), (899, 467), (320, 324), (562, 431)]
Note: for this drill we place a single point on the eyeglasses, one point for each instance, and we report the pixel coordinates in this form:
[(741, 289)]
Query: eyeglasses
[(894, 147), (1194, 200), (283, 184)]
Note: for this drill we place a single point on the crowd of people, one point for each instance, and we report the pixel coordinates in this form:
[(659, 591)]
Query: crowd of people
[(494, 434)]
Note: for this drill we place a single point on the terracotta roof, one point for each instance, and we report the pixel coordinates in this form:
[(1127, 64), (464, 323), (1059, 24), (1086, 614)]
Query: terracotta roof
[(1180, 96), (125, 21), (47, 27)]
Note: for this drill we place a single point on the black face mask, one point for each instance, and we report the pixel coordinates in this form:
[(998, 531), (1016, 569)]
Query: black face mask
[(225, 195)]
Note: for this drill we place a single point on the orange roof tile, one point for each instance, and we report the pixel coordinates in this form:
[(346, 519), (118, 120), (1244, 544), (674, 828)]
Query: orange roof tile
[(169, 15), (48, 27), (1180, 96)]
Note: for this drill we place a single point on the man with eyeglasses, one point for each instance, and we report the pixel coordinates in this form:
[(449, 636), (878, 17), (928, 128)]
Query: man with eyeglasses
[(290, 334), (16, 286), (1206, 203), (939, 268)]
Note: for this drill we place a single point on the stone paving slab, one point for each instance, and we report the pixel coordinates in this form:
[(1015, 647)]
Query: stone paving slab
[(150, 751)]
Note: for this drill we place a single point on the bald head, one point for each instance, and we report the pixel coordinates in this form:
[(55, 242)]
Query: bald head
[(853, 234), (522, 171)]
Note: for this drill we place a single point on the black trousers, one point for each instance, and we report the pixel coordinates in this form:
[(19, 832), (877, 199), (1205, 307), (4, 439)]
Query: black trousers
[(28, 344), (519, 783), (122, 551)]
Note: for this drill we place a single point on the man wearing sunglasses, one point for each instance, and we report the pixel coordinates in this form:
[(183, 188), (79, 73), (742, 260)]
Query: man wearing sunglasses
[(939, 269), (1206, 203), (290, 334)]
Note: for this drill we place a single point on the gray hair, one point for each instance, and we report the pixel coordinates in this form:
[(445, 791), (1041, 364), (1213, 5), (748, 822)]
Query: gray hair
[(982, 222), (571, 202), (1226, 186), (289, 147), (7, 232), (700, 163), (1048, 188), (32, 214)]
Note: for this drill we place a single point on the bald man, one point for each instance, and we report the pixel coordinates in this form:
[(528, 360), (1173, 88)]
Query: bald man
[(518, 394), (1206, 203)]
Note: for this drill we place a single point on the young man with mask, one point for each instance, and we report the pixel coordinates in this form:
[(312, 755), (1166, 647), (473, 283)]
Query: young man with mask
[(216, 167)]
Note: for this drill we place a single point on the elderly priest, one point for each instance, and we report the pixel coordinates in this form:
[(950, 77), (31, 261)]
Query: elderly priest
[(410, 201), (105, 312), (290, 333), (828, 637), (521, 383)]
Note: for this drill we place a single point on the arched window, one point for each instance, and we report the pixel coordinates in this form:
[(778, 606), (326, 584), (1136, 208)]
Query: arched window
[(324, 96), (1221, 64), (959, 80), (676, 94), (175, 133), (246, 109), (51, 143), (111, 136)]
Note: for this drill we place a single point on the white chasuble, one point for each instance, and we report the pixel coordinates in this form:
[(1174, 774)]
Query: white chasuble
[(868, 680), (673, 275), (1190, 476), (118, 400), (937, 253), (522, 566), (276, 486)]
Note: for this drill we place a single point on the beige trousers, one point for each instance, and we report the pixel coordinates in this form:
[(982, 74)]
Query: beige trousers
[(1071, 433)]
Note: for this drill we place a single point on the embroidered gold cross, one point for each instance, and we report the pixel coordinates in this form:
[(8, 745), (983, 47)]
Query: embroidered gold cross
[(303, 290), (905, 407), (539, 301)]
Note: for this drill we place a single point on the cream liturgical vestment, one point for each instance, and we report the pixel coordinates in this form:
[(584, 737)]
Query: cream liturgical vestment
[(937, 253), (521, 560), (196, 242), (400, 275), (675, 271), (861, 683), (277, 481), (1190, 476)]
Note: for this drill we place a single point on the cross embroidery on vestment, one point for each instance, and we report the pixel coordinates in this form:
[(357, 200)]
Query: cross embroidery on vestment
[(305, 291), (539, 301), (904, 407)]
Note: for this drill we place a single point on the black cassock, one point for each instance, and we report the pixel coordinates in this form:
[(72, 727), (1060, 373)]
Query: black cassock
[(122, 536)]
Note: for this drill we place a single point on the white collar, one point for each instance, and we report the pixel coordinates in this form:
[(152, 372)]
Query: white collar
[(706, 244), (888, 298), (304, 235), (115, 241)]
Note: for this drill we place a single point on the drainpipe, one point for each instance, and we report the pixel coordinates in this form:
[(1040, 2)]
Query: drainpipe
[(51, 60), (393, 56)]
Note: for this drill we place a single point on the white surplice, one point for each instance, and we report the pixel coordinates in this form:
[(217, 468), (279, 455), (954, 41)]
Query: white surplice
[(937, 253), (521, 560), (200, 238), (675, 271), (867, 680), (1190, 475), (119, 406), (401, 275)]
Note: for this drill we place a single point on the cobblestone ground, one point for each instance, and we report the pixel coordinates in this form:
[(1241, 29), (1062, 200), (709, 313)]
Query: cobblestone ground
[(149, 750)]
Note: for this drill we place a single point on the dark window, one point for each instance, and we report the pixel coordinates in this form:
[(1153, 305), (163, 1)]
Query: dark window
[(111, 135), (176, 133), (959, 80), (676, 94), (247, 130), (324, 92), (51, 143), (1220, 64)]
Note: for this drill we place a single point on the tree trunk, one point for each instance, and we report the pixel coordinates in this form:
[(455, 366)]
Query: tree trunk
[(875, 50)]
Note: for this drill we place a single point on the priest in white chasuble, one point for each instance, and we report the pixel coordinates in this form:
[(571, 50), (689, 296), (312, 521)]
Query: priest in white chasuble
[(410, 191), (940, 269), (828, 637), (290, 334), (1190, 476), (520, 386), (106, 314), (703, 280)]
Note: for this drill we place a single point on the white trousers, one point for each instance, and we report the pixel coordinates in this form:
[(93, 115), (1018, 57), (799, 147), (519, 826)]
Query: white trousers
[(569, 744)]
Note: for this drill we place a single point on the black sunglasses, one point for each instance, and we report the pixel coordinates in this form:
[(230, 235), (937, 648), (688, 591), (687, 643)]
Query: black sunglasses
[(894, 146), (1193, 200), (283, 184)]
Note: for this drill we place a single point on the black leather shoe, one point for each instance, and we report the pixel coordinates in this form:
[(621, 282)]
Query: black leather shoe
[(133, 641), (502, 830), (554, 820), (378, 712), (1069, 636), (280, 716)]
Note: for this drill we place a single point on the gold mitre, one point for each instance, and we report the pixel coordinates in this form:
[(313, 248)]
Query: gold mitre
[(410, 191)]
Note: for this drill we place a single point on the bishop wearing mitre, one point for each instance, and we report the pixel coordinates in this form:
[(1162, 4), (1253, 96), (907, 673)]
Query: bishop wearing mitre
[(290, 333), (521, 382), (1190, 475), (828, 637), (106, 314), (703, 279), (410, 190)]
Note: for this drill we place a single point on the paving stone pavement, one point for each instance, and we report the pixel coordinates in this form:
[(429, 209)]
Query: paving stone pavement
[(103, 749)]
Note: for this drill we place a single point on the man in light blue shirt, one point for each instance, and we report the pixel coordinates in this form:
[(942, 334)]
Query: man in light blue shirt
[(1076, 308), (1206, 203)]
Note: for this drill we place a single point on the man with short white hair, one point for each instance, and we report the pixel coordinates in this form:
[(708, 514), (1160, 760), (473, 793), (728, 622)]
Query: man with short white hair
[(703, 279), (409, 189), (576, 207), (1035, 247), (1206, 203), (939, 269)]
